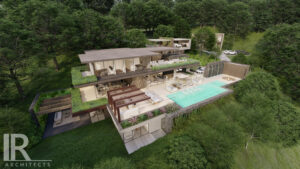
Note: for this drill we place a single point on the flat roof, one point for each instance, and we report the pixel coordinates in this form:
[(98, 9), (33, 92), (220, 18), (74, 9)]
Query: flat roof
[(121, 53)]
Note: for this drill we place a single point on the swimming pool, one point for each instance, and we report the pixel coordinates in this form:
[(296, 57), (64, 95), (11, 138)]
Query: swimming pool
[(197, 94)]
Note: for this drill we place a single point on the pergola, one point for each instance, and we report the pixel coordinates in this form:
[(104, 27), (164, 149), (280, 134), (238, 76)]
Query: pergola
[(123, 97)]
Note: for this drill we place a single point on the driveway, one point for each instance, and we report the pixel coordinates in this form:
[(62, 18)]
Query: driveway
[(223, 57)]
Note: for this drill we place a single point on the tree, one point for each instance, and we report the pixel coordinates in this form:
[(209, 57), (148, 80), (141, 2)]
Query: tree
[(238, 19), (115, 163), (189, 154), (135, 38), (181, 28), (205, 38), (262, 16), (193, 15), (15, 43), (278, 52), (102, 6), (213, 13), (98, 31), (240, 58), (258, 119), (284, 11), (163, 31), (122, 11), (53, 26), (156, 14), (261, 82), (288, 119)]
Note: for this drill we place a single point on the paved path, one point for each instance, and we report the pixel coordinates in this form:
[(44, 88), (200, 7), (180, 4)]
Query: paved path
[(223, 57)]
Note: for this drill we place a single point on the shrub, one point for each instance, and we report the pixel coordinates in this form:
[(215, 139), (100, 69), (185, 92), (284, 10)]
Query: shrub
[(185, 153), (135, 38), (125, 124), (115, 163), (172, 108), (163, 31), (261, 82), (14, 121), (142, 118), (240, 58), (156, 112)]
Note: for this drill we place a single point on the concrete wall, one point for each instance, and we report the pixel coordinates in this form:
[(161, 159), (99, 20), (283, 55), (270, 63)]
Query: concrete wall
[(235, 69)]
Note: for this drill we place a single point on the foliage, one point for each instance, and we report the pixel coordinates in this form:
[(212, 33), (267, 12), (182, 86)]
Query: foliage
[(140, 118), (247, 44), (214, 13), (240, 58), (262, 14), (193, 14), (172, 108), (14, 121), (98, 31), (278, 52), (238, 19), (77, 77), (115, 163), (261, 82), (258, 119), (100, 6), (48, 95), (182, 63), (163, 31), (84, 143), (181, 28), (135, 38), (185, 153), (78, 105), (205, 38), (14, 54), (204, 59), (288, 117)]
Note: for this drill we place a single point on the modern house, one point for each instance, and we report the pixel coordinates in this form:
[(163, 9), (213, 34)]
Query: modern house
[(143, 89), (180, 43)]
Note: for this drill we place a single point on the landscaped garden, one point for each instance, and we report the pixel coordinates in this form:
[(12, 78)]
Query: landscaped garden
[(180, 63), (78, 105), (78, 79)]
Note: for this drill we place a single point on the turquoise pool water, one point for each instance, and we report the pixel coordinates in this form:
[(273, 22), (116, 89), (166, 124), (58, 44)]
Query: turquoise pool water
[(197, 94)]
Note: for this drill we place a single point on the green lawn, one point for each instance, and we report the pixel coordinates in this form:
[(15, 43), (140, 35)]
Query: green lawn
[(264, 156), (247, 44), (86, 146)]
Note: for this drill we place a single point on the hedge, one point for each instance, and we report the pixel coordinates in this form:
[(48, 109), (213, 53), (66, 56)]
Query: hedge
[(78, 105), (78, 79)]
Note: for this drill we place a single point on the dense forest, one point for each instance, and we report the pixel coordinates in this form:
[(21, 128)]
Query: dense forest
[(40, 41)]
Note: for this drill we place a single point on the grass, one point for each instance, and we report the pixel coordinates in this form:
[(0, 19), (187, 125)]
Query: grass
[(78, 79), (78, 105), (265, 156), (248, 43), (85, 146), (204, 59), (165, 66)]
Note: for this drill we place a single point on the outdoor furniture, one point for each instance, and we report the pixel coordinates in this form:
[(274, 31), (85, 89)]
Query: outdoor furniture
[(154, 97), (139, 67), (58, 117), (119, 71)]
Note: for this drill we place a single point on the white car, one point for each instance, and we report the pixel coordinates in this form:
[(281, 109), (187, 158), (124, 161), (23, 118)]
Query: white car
[(177, 45), (229, 52), (200, 70)]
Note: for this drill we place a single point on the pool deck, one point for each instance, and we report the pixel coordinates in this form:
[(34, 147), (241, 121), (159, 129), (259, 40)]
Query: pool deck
[(160, 89)]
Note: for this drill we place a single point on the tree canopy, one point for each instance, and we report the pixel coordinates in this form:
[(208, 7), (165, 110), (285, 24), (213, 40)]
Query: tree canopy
[(278, 52)]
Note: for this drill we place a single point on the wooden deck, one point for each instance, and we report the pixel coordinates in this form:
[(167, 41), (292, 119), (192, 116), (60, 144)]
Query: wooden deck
[(55, 104)]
